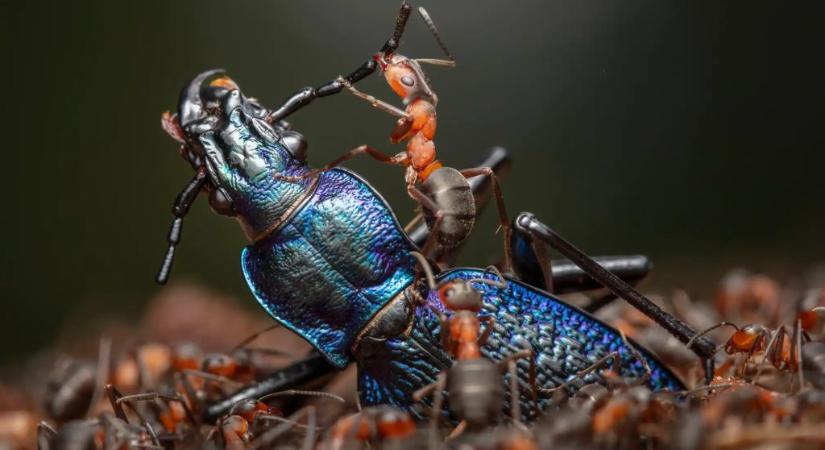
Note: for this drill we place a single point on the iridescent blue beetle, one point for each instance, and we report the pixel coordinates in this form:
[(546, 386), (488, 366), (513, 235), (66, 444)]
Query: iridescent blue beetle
[(328, 259)]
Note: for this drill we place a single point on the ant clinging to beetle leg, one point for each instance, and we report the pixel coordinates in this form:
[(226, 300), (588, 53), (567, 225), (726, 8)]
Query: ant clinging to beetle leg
[(445, 195)]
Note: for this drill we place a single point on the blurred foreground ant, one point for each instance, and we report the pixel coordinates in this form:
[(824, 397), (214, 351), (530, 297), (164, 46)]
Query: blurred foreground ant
[(372, 425), (474, 382)]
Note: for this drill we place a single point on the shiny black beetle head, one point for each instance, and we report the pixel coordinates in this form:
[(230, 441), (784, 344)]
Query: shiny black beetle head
[(236, 152)]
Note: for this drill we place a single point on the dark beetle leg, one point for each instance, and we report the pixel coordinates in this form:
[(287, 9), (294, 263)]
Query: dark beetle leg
[(306, 95), (703, 347), (567, 277), (311, 367)]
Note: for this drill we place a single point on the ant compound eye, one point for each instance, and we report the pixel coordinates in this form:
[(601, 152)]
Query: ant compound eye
[(408, 81)]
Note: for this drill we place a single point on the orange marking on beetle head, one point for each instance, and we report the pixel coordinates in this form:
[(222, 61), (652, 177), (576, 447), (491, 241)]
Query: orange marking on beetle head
[(224, 82)]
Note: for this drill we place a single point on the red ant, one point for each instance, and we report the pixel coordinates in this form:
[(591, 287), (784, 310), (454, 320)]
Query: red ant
[(372, 425), (240, 429), (445, 195), (474, 382), (781, 349)]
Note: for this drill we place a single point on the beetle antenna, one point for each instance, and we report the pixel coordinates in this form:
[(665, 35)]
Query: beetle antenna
[(400, 24), (183, 202), (431, 25)]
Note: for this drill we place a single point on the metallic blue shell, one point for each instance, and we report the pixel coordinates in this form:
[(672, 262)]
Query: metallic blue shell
[(327, 272), (564, 339)]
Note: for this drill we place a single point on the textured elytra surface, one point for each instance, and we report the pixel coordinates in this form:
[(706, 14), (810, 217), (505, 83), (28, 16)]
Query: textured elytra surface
[(563, 339), (333, 266)]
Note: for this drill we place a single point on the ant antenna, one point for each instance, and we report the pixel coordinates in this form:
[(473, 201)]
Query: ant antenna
[(431, 25), (428, 270), (501, 283), (319, 394), (182, 204)]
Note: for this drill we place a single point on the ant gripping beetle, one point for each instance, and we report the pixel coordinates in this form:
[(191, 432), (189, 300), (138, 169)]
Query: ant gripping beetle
[(445, 194), (328, 259), (473, 381)]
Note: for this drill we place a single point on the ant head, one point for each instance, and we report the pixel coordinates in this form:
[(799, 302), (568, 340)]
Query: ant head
[(219, 364), (248, 409), (748, 338), (459, 295), (393, 423), (235, 424), (405, 76)]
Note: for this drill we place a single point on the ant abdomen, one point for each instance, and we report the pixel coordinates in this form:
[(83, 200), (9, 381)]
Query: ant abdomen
[(451, 193)]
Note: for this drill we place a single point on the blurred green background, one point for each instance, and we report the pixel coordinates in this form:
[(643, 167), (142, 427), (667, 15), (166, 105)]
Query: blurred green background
[(688, 131)]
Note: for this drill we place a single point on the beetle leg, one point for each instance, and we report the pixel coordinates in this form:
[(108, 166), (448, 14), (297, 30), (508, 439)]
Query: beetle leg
[(306, 95), (703, 347), (312, 366)]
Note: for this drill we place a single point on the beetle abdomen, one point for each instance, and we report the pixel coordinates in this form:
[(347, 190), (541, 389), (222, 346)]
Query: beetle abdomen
[(451, 192)]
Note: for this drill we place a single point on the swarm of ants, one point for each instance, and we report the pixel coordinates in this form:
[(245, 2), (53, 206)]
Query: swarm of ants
[(768, 390)]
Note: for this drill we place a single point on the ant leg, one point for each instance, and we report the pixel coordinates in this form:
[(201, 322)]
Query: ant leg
[(430, 205), (503, 217), (254, 336), (414, 223), (210, 377), (113, 396), (580, 374), (117, 400), (703, 347), (777, 341), (796, 353), (485, 334), (267, 438), (438, 402), (457, 431), (515, 395), (534, 389), (399, 159), (689, 343), (633, 350), (104, 363), (437, 389), (45, 435), (380, 105), (499, 160)]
